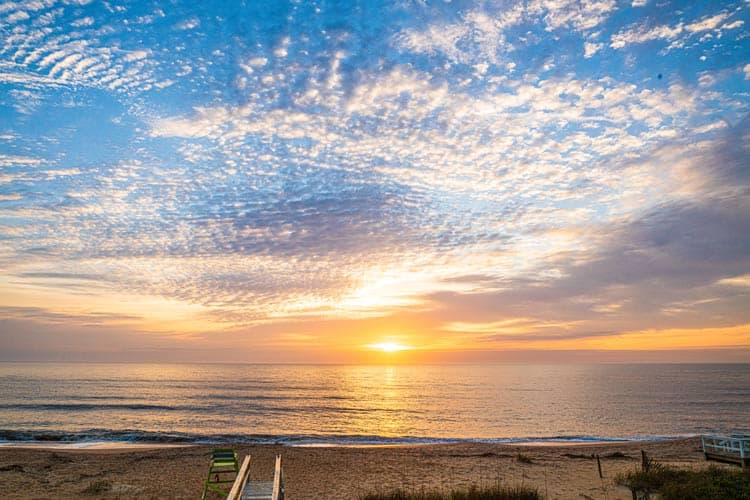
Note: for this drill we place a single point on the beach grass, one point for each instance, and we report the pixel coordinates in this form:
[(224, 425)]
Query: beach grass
[(680, 484), (496, 492)]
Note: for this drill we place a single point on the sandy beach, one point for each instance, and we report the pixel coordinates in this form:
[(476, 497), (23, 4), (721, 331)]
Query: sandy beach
[(559, 471)]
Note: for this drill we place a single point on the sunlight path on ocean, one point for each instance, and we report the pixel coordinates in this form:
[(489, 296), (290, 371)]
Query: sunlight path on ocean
[(307, 404)]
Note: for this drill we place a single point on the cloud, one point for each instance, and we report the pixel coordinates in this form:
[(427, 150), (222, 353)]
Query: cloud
[(642, 35), (206, 122), (62, 276), (90, 56), (653, 269), (46, 316), (136, 55), (589, 49), (676, 34), (188, 24), (733, 25), (10, 160), (707, 23), (476, 29), (16, 16), (377, 180), (34, 335), (84, 21), (573, 13), (480, 35)]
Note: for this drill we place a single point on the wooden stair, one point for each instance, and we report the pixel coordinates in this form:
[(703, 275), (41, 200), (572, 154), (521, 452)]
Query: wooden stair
[(256, 490), (245, 489)]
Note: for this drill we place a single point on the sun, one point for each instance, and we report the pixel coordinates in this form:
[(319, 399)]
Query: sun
[(388, 347)]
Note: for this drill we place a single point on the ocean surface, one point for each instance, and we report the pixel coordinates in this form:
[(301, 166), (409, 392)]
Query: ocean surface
[(361, 405)]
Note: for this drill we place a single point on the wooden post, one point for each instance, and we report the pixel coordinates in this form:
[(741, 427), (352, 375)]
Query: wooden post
[(644, 461), (599, 466)]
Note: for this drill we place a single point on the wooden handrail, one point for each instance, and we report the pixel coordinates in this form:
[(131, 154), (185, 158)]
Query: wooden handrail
[(239, 482), (278, 482)]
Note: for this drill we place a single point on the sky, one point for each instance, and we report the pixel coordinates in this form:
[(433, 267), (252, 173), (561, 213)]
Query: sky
[(367, 181)]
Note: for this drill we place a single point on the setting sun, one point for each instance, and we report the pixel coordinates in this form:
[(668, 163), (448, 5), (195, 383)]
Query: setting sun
[(388, 347)]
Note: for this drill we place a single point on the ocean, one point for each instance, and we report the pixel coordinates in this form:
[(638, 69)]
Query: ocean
[(368, 405)]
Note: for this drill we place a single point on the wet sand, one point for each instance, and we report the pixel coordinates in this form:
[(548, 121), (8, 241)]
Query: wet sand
[(559, 471)]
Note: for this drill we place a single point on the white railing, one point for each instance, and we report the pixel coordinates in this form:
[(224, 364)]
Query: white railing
[(733, 446)]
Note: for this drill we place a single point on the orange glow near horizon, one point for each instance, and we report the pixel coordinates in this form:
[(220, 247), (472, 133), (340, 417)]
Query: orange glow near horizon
[(393, 337)]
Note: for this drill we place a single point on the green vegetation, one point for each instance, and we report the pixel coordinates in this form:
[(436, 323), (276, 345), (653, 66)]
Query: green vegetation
[(675, 484), (496, 492)]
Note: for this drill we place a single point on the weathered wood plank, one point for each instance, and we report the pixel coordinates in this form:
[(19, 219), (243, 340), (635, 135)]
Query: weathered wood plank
[(258, 490), (240, 481), (278, 481)]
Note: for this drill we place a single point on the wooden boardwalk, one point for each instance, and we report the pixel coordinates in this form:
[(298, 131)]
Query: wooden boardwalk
[(731, 449), (245, 489)]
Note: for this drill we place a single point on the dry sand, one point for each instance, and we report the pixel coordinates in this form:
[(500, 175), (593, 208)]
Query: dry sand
[(564, 472)]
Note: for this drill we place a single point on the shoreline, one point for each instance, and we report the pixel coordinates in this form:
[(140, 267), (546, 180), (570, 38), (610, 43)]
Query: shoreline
[(113, 446), (558, 470), (84, 440), (92, 445), (123, 445)]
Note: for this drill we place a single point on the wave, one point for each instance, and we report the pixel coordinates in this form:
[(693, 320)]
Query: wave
[(87, 407), (8, 436), (211, 405)]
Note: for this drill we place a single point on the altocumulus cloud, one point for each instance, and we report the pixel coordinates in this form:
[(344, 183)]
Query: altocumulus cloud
[(275, 161)]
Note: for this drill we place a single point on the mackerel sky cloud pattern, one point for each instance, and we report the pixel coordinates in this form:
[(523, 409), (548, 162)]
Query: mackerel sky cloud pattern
[(500, 173)]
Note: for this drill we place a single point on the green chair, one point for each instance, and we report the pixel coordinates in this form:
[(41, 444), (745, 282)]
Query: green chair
[(221, 473)]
